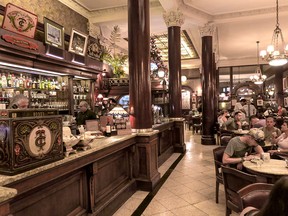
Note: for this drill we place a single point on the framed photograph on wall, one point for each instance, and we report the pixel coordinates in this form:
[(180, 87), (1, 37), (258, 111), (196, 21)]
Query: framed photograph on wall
[(54, 33), (78, 42), (259, 102), (286, 102)]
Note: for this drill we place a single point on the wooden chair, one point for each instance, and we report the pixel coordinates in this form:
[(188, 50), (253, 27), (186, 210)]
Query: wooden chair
[(234, 180), (255, 195), (218, 154)]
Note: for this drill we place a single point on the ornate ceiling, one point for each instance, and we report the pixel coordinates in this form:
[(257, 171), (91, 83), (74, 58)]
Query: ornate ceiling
[(239, 24)]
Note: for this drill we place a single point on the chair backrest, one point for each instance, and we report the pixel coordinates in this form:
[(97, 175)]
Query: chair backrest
[(255, 195), (234, 180), (218, 154)]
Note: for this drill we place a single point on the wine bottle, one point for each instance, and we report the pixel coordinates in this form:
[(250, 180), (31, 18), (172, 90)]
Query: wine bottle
[(108, 129)]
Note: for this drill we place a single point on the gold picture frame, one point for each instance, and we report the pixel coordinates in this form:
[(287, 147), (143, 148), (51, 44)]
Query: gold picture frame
[(78, 42)]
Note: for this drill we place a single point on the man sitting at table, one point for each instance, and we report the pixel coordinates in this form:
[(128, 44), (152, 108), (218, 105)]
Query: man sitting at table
[(234, 123), (269, 130), (239, 148)]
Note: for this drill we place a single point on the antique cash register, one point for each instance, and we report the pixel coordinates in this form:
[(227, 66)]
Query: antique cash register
[(29, 138)]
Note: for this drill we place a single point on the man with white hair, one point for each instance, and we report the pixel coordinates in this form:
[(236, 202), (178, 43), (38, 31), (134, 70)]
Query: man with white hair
[(84, 113)]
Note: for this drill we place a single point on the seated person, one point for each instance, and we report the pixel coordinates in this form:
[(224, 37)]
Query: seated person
[(223, 117), (269, 130), (84, 113), (281, 141), (19, 102), (276, 203), (255, 122), (234, 123), (239, 148)]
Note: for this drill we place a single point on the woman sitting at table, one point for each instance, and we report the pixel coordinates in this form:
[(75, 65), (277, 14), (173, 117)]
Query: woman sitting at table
[(281, 141), (223, 117), (275, 205)]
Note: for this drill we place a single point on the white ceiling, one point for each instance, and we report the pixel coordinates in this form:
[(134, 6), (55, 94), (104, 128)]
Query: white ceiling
[(239, 23)]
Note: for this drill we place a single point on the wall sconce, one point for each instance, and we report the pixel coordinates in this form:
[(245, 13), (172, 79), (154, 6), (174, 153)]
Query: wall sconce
[(183, 78)]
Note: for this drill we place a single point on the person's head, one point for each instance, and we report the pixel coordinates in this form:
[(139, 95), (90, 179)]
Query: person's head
[(283, 112), (238, 116), (284, 126), (255, 137), (253, 120), (19, 102), (270, 121), (83, 106), (277, 201), (243, 101)]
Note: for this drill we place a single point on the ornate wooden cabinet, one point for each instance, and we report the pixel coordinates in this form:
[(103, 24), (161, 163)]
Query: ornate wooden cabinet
[(29, 138)]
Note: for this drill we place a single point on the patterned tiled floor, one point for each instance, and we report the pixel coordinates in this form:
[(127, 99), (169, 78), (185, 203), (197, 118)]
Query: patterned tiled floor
[(189, 190)]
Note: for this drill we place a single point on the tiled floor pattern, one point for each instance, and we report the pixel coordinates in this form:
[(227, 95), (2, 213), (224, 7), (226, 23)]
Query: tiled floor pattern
[(190, 188)]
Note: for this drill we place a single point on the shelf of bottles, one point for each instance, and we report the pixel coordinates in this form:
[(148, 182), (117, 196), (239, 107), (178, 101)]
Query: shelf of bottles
[(81, 92), (42, 91)]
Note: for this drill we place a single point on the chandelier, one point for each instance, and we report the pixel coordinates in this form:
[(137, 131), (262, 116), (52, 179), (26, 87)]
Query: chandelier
[(276, 53), (258, 78)]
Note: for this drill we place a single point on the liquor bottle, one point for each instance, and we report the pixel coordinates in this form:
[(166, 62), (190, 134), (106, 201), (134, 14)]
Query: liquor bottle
[(12, 81), (21, 85), (4, 81), (108, 129), (9, 80)]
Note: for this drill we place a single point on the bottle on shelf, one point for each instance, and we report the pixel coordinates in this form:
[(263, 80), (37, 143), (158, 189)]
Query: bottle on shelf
[(108, 129), (9, 80), (4, 81)]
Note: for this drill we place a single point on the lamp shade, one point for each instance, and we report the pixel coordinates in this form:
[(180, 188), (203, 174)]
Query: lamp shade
[(118, 110)]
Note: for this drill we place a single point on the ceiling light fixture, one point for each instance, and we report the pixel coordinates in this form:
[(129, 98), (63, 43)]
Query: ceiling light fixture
[(258, 78), (276, 54)]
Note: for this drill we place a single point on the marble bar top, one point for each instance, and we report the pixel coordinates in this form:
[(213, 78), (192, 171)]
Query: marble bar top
[(7, 193), (96, 145)]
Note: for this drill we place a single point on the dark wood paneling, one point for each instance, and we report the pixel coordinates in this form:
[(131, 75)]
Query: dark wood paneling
[(68, 195)]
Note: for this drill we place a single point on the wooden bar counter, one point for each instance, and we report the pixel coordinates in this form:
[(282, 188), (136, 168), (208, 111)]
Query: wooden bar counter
[(97, 181)]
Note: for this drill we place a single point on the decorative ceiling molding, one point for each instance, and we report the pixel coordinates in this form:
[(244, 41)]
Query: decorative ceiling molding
[(76, 7)]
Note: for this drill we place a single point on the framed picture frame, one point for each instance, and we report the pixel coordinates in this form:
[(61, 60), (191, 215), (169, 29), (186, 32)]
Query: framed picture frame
[(78, 42), (259, 102), (54, 33), (286, 102), (20, 21), (94, 48)]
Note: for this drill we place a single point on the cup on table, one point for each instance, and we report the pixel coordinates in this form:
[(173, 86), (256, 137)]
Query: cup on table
[(265, 156)]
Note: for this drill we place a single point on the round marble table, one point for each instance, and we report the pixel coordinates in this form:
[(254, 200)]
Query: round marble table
[(271, 170)]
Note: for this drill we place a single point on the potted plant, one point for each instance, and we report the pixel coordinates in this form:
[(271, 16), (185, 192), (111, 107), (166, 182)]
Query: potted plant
[(115, 60)]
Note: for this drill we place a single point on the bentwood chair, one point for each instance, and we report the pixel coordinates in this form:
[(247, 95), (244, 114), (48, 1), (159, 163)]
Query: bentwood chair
[(234, 180), (218, 154)]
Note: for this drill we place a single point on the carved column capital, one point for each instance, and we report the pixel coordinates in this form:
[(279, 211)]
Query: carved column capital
[(173, 18), (207, 30)]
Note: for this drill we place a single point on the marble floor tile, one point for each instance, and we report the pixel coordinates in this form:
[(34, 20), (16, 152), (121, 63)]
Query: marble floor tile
[(189, 189)]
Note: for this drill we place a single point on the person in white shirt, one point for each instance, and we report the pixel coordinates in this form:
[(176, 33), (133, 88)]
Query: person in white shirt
[(281, 141), (239, 107), (250, 109)]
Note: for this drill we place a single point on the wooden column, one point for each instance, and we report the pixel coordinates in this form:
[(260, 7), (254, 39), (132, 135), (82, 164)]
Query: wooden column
[(139, 66), (173, 20), (279, 86), (208, 89)]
